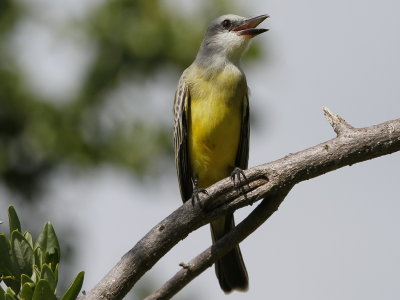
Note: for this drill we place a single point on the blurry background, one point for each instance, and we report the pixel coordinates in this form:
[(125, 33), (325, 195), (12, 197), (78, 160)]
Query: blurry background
[(86, 91)]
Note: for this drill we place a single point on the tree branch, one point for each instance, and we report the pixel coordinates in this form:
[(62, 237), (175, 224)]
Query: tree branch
[(206, 259), (274, 179)]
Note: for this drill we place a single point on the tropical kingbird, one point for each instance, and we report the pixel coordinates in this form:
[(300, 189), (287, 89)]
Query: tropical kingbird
[(211, 125)]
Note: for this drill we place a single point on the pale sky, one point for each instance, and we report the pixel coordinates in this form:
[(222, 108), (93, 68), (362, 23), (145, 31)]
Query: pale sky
[(335, 236)]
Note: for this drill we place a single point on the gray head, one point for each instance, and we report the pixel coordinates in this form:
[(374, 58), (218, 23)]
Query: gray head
[(228, 36)]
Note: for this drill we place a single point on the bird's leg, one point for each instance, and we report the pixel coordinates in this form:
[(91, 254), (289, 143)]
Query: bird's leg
[(239, 179), (197, 191)]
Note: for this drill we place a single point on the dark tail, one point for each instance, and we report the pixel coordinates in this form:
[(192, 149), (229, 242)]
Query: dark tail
[(230, 269)]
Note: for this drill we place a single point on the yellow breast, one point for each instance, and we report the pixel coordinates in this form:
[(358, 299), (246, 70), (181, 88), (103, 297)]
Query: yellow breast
[(214, 124)]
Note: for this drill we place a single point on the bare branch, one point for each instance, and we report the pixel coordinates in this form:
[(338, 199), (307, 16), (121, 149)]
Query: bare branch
[(351, 146), (206, 259)]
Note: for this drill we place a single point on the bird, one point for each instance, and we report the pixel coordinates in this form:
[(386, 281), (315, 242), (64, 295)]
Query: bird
[(211, 126)]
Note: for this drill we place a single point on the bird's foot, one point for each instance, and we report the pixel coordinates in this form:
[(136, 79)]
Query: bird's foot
[(196, 194), (239, 179)]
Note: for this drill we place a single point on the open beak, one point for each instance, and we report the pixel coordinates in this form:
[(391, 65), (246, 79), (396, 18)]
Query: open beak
[(248, 27)]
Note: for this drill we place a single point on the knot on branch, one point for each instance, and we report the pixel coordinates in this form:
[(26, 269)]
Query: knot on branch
[(184, 266), (339, 125)]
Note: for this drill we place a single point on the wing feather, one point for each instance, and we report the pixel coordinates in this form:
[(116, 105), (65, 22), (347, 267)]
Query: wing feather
[(181, 113), (242, 156)]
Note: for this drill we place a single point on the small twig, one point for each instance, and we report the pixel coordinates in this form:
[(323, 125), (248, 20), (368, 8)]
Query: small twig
[(339, 125)]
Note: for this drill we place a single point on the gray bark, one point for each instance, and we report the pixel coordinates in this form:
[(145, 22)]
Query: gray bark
[(271, 182)]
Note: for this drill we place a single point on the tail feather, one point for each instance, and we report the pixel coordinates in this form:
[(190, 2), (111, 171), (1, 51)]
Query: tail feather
[(230, 269)]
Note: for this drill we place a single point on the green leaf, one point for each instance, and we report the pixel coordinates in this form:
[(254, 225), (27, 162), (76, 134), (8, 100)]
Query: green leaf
[(9, 294), (2, 292), (48, 242), (47, 274), (56, 274), (75, 287), (10, 291), (5, 259), (52, 258), (36, 274), (6, 264), (25, 279), (22, 254), (12, 284), (38, 256), (28, 237), (27, 291), (43, 291), (9, 297), (13, 219)]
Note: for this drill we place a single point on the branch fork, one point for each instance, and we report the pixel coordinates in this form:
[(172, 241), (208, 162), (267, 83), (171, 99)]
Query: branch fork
[(270, 182)]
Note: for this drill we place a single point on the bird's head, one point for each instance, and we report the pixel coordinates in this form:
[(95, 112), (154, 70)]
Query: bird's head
[(228, 36)]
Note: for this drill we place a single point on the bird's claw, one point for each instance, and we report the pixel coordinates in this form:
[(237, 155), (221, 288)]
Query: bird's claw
[(238, 178), (196, 195)]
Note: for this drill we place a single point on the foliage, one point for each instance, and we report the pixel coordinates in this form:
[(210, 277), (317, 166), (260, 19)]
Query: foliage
[(29, 268)]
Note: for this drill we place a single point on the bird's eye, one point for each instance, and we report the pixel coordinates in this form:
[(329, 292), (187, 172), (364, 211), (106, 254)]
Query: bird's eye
[(226, 23)]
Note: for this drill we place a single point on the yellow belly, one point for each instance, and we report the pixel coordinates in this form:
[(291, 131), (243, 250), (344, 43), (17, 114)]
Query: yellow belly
[(214, 127)]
